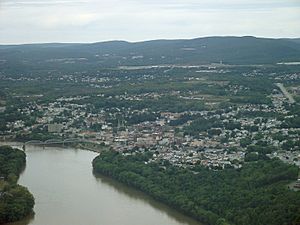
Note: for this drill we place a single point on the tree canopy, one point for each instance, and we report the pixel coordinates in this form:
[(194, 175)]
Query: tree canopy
[(16, 201), (253, 195)]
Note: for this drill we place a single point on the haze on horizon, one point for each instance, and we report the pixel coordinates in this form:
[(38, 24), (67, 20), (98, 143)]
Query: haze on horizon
[(41, 21)]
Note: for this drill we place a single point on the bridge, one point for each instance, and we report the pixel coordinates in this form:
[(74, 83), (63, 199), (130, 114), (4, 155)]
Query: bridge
[(55, 141)]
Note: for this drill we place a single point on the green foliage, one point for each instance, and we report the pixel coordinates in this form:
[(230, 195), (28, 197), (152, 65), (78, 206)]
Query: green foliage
[(200, 125), (232, 50), (15, 201), (255, 99), (251, 156), (182, 119), (292, 122), (245, 142), (260, 148), (254, 195), (37, 135), (12, 161), (136, 118), (231, 125)]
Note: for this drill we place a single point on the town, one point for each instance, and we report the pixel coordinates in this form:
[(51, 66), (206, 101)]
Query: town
[(208, 131)]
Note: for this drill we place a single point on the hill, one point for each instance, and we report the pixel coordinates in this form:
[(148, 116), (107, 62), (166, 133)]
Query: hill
[(229, 50)]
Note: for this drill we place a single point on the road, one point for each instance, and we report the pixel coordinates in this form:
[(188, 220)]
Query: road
[(286, 93)]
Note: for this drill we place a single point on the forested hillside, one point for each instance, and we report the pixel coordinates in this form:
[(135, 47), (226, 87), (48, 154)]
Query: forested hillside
[(256, 194), (228, 50)]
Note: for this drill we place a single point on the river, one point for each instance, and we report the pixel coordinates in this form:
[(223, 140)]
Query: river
[(68, 193)]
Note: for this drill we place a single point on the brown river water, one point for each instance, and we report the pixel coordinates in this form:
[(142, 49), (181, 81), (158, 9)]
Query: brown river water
[(68, 193)]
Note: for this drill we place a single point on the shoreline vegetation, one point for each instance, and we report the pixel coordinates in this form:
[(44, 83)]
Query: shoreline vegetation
[(255, 194), (16, 202), (227, 197)]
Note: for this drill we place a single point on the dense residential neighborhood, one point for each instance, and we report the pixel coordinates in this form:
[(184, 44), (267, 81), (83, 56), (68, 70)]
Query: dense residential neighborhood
[(129, 112), (222, 143)]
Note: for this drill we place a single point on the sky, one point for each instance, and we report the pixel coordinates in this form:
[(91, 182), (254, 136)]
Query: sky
[(43, 21)]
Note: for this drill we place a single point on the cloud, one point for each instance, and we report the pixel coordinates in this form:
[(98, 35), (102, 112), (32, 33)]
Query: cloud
[(31, 3), (95, 20)]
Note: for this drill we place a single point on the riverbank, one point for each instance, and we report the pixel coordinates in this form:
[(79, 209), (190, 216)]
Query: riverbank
[(67, 192), (16, 202), (91, 147), (255, 194), (125, 172)]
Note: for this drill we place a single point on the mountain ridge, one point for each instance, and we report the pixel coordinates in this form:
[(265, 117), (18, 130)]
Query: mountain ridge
[(228, 49), (134, 42)]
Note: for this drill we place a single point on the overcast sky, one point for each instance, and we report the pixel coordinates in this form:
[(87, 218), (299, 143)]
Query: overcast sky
[(32, 21)]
